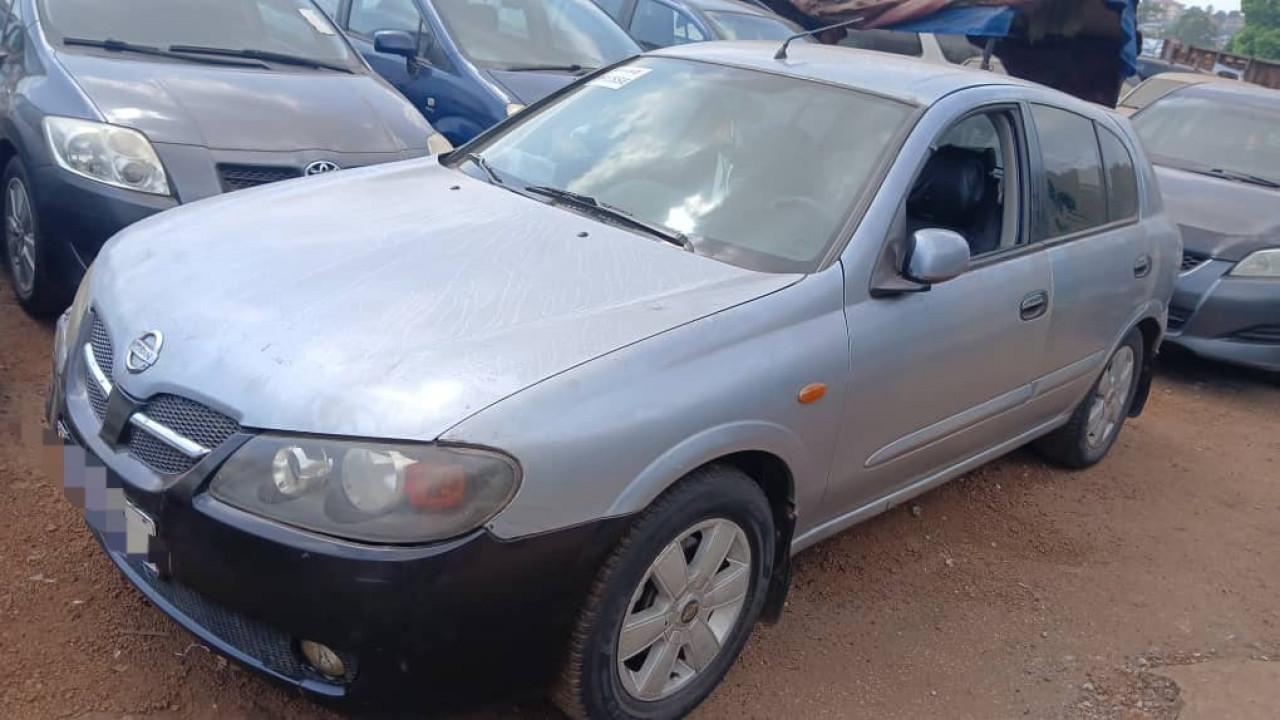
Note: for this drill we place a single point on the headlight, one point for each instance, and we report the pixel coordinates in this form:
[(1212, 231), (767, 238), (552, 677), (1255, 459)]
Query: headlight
[(367, 491), (438, 144), (514, 108), (109, 154), (1263, 263)]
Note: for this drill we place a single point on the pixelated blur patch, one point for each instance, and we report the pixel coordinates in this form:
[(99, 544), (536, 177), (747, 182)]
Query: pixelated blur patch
[(123, 527)]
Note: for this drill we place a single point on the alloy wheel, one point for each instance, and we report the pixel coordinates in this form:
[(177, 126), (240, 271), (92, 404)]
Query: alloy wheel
[(20, 236), (1112, 395), (689, 601)]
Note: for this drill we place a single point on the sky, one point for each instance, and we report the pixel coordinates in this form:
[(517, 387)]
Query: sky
[(1227, 5)]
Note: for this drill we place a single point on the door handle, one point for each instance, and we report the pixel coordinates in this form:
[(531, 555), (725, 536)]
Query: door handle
[(1142, 266), (1034, 305)]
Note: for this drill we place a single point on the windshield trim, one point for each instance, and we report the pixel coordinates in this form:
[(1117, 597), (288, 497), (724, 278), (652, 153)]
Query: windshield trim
[(55, 37), (853, 213)]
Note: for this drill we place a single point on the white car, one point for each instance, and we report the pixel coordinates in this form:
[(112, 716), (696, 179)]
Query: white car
[(940, 49)]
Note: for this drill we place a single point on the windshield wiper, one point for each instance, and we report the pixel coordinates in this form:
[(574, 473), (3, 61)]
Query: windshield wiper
[(484, 165), (1242, 177), (121, 46), (550, 67), (264, 55), (590, 204)]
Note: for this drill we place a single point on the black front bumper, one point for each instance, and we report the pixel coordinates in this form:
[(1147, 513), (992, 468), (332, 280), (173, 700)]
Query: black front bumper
[(471, 619), (1230, 319), (77, 216)]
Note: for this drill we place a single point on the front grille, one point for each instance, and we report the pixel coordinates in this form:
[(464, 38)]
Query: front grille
[(1191, 261), (241, 177), (1267, 334), (158, 456), (101, 342), (263, 643), (189, 419), (1178, 317), (193, 421)]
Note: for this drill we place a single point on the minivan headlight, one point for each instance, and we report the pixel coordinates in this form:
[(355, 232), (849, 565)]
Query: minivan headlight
[(110, 154), (1259, 264), (367, 491)]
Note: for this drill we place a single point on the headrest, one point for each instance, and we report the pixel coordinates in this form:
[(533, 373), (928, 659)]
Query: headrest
[(951, 186)]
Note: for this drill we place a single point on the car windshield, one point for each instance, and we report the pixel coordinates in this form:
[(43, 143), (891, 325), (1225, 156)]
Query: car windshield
[(759, 170), (740, 26), (1212, 132), (535, 33), (294, 28)]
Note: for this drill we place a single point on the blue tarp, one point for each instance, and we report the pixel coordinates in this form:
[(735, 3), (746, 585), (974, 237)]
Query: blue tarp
[(997, 22)]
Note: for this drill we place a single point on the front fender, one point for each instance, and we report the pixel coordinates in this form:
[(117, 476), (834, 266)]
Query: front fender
[(706, 447)]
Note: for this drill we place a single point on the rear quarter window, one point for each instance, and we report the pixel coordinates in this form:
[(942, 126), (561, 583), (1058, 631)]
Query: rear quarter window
[(1073, 198), (1122, 177)]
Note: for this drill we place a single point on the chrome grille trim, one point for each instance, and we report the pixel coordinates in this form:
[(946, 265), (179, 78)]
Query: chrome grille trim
[(187, 447)]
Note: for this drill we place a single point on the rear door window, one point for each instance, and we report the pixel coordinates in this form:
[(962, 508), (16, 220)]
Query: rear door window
[(1073, 196), (1122, 178), (657, 25)]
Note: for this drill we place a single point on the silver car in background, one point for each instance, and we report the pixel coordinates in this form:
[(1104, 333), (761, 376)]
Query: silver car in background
[(553, 412)]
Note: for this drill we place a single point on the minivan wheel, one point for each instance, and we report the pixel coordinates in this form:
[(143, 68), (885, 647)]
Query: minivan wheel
[(674, 603), (24, 248), (1096, 423)]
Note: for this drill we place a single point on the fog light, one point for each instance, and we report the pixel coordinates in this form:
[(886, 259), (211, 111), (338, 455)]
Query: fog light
[(324, 660)]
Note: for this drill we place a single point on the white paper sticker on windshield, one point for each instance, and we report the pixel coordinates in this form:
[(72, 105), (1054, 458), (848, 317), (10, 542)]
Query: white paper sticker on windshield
[(321, 25), (618, 77)]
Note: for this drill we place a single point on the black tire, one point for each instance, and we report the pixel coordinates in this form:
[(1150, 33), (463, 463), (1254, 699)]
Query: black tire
[(45, 297), (590, 685), (1070, 445)]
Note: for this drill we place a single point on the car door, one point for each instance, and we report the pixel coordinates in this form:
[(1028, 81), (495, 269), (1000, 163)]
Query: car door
[(1100, 258), (944, 376), (437, 85), (656, 24)]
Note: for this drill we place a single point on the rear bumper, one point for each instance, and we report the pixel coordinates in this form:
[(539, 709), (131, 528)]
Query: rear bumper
[(1234, 320)]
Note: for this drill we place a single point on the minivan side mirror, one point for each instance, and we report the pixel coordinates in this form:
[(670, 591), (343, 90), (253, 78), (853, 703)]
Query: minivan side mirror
[(936, 255), (395, 42)]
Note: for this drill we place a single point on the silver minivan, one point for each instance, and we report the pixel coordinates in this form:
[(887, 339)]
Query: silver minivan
[(553, 412)]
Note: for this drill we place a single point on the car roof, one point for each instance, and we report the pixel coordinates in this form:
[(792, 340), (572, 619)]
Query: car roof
[(1232, 91), (906, 79), (731, 6)]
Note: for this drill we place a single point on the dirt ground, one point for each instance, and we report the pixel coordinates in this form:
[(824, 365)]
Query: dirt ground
[(1148, 587)]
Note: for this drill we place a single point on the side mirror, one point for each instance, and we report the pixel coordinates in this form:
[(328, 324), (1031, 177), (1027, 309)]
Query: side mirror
[(935, 256), (395, 42)]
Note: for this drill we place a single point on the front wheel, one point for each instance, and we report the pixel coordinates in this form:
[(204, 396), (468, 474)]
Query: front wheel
[(24, 247), (674, 604), (1094, 426)]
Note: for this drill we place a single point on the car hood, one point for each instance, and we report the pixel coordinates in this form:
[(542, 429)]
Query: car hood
[(225, 108), (530, 87), (1219, 218), (389, 302)]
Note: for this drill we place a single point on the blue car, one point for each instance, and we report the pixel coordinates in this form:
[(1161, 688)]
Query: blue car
[(663, 23), (467, 64)]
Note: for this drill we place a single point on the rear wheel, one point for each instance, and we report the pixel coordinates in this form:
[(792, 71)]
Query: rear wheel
[(1096, 423), (674, 604), (35, 290)]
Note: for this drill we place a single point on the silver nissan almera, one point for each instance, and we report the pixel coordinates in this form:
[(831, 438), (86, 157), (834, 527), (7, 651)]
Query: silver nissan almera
[(553, 412)]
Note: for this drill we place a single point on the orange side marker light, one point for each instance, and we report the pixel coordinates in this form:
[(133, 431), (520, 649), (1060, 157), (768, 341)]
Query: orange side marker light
[(812, 393)]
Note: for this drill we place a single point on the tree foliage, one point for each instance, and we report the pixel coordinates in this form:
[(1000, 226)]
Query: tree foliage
[(1261, 42), (1196, 27)]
